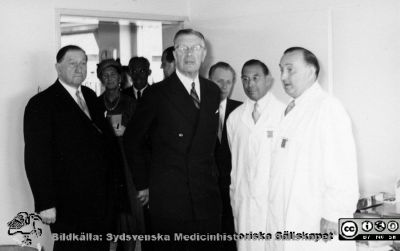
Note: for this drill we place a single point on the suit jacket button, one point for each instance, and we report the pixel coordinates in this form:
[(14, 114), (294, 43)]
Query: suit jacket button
[(180, 135)]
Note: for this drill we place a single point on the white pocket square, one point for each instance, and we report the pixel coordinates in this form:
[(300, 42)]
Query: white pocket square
[(217, 111)]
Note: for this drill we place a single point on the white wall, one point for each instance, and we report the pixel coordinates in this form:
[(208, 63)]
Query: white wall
[(367, 79), (29, 42), (362, 53), (27, 30), (358, 45)]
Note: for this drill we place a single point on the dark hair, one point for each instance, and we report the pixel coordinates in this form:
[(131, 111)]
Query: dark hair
[(169, 55), (135, 60), (125, 69), (252, 62), (189, 32), (61, 53), (308, 56), (224, 66)]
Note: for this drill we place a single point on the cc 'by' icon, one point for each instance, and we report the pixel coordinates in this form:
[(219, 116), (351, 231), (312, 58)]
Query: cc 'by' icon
[(367, 226)]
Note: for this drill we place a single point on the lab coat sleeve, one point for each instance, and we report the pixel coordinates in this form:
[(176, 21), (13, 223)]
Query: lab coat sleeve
[(339, 162), (230, 133)]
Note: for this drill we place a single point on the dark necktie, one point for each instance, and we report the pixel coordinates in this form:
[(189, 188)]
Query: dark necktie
[(195, 97), (139, 94)]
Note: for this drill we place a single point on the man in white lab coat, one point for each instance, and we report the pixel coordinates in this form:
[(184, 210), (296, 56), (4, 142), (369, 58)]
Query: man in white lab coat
[(251, 133), (313, 179)]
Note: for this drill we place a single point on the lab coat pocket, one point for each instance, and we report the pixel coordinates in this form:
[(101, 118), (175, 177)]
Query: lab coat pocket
[(282, 165)]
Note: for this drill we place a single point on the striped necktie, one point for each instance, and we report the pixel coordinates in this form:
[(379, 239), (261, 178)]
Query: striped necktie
[(195, 97), (82, 103), (289, 107), (256, 112)]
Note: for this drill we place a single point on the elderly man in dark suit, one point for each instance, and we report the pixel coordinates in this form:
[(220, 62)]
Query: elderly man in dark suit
[(180, 116), (224, 76), (68, 156)]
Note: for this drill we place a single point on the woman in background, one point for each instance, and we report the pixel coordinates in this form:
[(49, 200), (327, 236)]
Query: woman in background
[(118, 109)]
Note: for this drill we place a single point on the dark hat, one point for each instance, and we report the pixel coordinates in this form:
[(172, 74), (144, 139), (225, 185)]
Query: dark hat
[(108, 63)]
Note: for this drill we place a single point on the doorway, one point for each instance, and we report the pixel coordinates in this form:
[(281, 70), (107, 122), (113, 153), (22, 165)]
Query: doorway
[(122, 38)]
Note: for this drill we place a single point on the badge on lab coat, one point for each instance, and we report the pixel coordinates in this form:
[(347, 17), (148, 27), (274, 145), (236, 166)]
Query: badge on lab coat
[(270, 134), (284, 141)]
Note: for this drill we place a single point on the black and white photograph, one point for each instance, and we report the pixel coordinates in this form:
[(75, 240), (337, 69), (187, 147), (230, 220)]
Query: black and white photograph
[(188, 125)]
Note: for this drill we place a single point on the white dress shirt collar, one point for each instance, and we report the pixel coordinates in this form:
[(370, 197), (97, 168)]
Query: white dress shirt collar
[(262, 102), (141, 90), (72, 90), (187, 82), (222, 106), (309, 92)]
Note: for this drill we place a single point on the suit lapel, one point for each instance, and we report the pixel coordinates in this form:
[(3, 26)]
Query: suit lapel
[(208, 117), (228, 110), (205, 106), (89, 103), (180, 98), (64, 96), (132, 92)]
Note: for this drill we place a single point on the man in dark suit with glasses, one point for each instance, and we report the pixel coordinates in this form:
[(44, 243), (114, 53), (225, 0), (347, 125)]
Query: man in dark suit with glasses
[(180, 116)]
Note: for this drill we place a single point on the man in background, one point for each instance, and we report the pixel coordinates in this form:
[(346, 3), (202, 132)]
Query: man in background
[(68, 155), (224, 76), (168, 61), (139, 68), (251, 133), (313, 180), (180, 116)]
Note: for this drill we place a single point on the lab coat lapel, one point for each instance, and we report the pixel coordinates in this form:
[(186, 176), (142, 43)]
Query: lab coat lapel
[(263, 120), (293, 120), (246, 116)]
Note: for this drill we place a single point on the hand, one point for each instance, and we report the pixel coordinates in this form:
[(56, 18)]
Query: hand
[(48, 216), (143, 196), (328, 226), (119, 131)]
